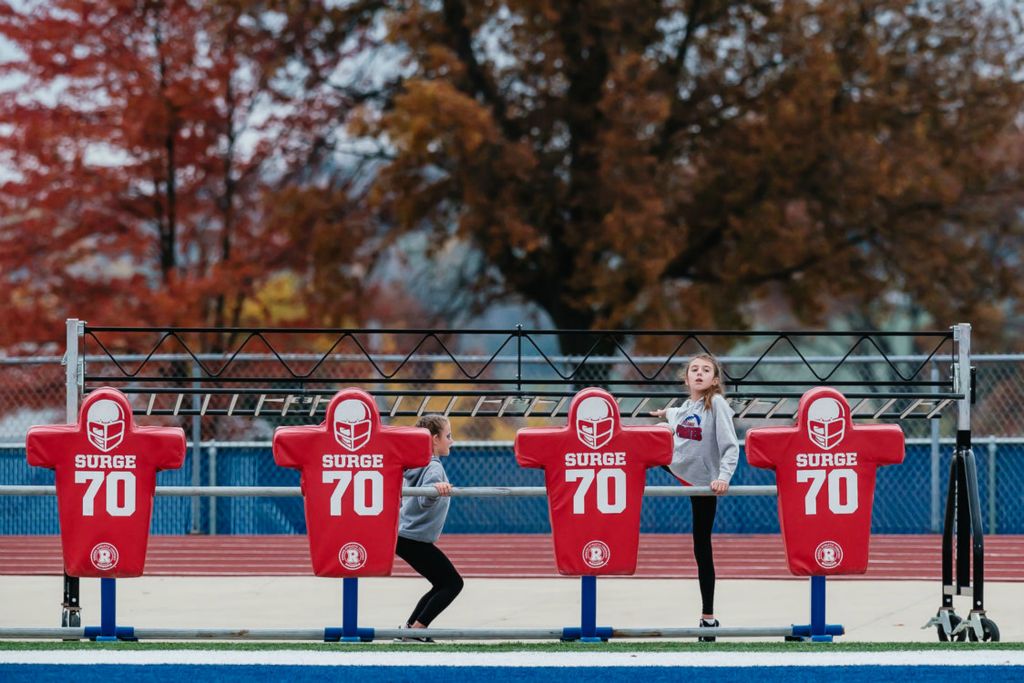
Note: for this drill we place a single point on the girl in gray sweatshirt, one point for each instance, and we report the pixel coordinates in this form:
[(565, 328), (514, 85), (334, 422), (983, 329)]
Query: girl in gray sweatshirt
[(705, 453), (421, 520)]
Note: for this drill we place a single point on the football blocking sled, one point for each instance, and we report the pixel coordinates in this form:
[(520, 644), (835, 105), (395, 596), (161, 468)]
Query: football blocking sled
[(352, 469), (105, 470), (825, 473), (594, 471)]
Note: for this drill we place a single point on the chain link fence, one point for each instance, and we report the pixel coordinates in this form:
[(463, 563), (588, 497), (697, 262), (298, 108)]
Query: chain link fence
[(909, 498), (235, 451)]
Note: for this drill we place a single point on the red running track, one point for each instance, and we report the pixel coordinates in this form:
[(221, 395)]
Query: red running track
[(737, 556)]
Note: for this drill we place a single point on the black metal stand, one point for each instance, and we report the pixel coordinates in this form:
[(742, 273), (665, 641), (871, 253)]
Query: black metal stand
[(71, 614), (963, 519)]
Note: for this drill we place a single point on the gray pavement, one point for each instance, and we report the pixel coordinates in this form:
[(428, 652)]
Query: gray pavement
[(887, 611)]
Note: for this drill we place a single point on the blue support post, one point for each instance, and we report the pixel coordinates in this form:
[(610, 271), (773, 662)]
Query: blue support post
[(818, 630), (350, 608), (108, 630), (588, 608), (817, 605), (349, 631), (108, 609), (589, 631)]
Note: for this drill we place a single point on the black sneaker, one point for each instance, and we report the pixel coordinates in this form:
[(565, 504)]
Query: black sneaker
[(704, 623), (411, 639)]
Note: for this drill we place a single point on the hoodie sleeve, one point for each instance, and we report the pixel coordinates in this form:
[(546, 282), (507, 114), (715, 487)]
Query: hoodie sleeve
[(728, 444), (433, 474)]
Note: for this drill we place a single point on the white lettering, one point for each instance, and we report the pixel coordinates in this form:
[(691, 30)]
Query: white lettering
[(92, 461), (841, 492), (357, 461), (367, 495), (612, 459), (120, 488), (611, 489), (818, 460)]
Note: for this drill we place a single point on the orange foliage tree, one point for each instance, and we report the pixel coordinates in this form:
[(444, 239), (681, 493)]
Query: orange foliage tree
[(673, 164)]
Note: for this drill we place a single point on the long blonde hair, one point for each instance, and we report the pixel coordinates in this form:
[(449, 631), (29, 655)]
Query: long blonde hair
[(709, 393)]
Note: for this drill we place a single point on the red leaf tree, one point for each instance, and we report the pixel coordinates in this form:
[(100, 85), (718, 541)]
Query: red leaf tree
[(140, 140)]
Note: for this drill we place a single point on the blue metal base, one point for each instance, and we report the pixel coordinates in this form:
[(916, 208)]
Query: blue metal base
[(598, 635), (121, 633), (589, 631), (108, 630), (333, 634), (805, 632), (349, 631)]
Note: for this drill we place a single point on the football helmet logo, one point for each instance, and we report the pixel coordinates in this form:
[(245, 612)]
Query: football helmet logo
[(595, 421), (826, 423), (352, 425), (105, 424)]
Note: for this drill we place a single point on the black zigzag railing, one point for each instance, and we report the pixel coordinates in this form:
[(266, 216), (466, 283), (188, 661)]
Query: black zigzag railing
[(543, 390)]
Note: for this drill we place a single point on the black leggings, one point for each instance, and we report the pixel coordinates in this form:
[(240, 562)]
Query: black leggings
[(435, 567), (704, 508)]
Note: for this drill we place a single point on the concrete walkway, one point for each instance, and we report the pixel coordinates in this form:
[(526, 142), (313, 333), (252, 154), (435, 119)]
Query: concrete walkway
[(870, 610)]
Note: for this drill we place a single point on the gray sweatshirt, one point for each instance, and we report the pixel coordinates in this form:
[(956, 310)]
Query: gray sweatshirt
[(705, 447), (422, 518)]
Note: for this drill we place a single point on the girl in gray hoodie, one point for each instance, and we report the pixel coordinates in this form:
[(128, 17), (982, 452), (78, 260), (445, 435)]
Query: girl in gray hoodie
[(705, 454), (420, 523)]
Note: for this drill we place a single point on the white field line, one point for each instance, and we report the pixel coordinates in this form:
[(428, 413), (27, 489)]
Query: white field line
[(521, 659)]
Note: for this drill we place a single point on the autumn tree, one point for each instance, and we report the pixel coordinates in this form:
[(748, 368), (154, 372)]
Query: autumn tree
[(672, 164), (139, 142)]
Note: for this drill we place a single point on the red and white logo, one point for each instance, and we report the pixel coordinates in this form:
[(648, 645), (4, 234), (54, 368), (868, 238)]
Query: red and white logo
[(595, 421), (352, 556), (596, 554), (105, 424), (103, 556), (352, 424), (826, 423), (828, 554)]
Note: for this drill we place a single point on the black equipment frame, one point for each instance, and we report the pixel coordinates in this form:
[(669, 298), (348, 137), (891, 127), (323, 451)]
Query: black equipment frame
[(540, 384)]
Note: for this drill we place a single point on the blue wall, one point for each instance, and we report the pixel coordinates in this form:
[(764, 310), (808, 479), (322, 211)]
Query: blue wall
[(902, 498)]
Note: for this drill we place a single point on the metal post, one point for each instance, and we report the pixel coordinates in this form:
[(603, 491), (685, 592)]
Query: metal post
[(817, 606), (212, 463), (350, 608), (588, 608), (519, 357), (108, 609), (72, 361), (974, 514), (993, 448), (963, 522), (962, 335), (936, 456), (74, 372), (196, 450), (948, 590)]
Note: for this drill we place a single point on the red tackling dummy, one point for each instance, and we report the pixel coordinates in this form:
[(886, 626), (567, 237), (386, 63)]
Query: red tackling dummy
[(825, 472), (106, 471), (352, 483), (595, 470)]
